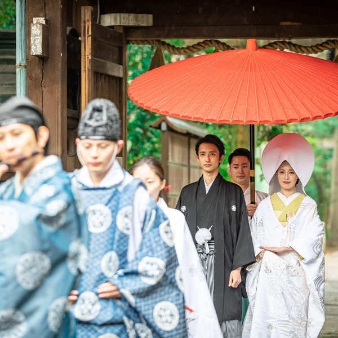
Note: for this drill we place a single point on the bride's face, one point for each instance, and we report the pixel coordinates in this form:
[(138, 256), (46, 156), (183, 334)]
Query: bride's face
[(287, 177)]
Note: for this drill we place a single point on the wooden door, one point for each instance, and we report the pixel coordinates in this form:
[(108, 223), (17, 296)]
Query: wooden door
[(103, 67)]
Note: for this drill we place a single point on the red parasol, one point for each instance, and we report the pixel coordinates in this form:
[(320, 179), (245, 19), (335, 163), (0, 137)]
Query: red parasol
[(243, 86)]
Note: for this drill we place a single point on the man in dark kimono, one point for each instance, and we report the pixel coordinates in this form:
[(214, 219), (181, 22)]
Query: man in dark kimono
[(216, 213)]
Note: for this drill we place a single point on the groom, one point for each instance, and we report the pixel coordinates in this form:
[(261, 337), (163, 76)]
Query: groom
[(216, 213)]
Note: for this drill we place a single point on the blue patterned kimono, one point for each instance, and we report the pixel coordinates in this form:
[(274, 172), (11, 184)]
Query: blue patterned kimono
[(152, 304), (39, 242)]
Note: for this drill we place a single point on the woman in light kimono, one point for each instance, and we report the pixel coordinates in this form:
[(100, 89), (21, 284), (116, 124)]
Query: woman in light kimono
[(286, 285), (200, 312)]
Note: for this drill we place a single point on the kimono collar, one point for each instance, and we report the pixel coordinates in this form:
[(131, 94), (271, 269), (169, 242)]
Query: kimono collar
[(207, 187), (113, 177), (247, 190), (163, 205), (18, 185), (287, 199)]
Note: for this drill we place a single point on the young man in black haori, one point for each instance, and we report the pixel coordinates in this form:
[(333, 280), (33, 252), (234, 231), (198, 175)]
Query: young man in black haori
[(215, 211)]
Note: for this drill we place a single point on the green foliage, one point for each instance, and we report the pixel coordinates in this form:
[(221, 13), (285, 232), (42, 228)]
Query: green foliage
[(319, 185), (142, 139), (7, 14), (266, 132)]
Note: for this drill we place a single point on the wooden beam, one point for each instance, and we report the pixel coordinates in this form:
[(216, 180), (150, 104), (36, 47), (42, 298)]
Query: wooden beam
[(220, 12), (7, 89), (55, 79), (86, 54), (7, 78), (106, 67), (126, 19), (164, 161), (7, 54), (34, 8), (100, 32), (124, 97), (233, 32), (7, 69)]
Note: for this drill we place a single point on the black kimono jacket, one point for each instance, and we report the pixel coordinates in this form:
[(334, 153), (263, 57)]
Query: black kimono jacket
[(223, 207)]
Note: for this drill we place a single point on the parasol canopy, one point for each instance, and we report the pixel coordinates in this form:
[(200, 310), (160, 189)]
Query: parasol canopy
[(243, 86)]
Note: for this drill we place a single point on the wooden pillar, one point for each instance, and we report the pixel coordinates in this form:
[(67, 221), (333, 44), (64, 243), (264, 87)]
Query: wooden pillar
[(124, 97), (47, 76), (165, 159)]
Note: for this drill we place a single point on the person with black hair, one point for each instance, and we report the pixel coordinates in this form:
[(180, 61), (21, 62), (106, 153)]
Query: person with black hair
[(130, 286), (239, 171), (216, 214), (39, 227), (286, 285), (200, 312)]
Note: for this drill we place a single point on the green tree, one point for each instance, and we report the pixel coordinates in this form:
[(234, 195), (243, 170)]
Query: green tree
[(7, 14), (319, 185), (142, 139)]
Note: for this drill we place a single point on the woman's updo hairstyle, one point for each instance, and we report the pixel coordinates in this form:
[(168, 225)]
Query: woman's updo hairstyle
[(152, 162)]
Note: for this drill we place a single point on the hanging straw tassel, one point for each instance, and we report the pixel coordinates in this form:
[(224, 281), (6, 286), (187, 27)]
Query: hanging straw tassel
[(157, 60)]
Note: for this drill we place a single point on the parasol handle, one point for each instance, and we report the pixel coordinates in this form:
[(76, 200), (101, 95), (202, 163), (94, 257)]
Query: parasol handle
[(252, 186), (252, 164)]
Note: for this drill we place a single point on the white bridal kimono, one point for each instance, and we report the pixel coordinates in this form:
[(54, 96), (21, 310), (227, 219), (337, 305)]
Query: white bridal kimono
[(200, 312), (286, 292)]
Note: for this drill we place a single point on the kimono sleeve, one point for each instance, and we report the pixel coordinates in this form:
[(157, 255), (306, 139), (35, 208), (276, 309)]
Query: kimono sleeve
[(150, 282), (257, 230), (309, 243), (57, 205), (244, 253), (38, 257), (179, 202)]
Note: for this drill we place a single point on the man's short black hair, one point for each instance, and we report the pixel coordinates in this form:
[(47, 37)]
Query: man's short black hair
[(213, 139), (20, 109), (239, 152)]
